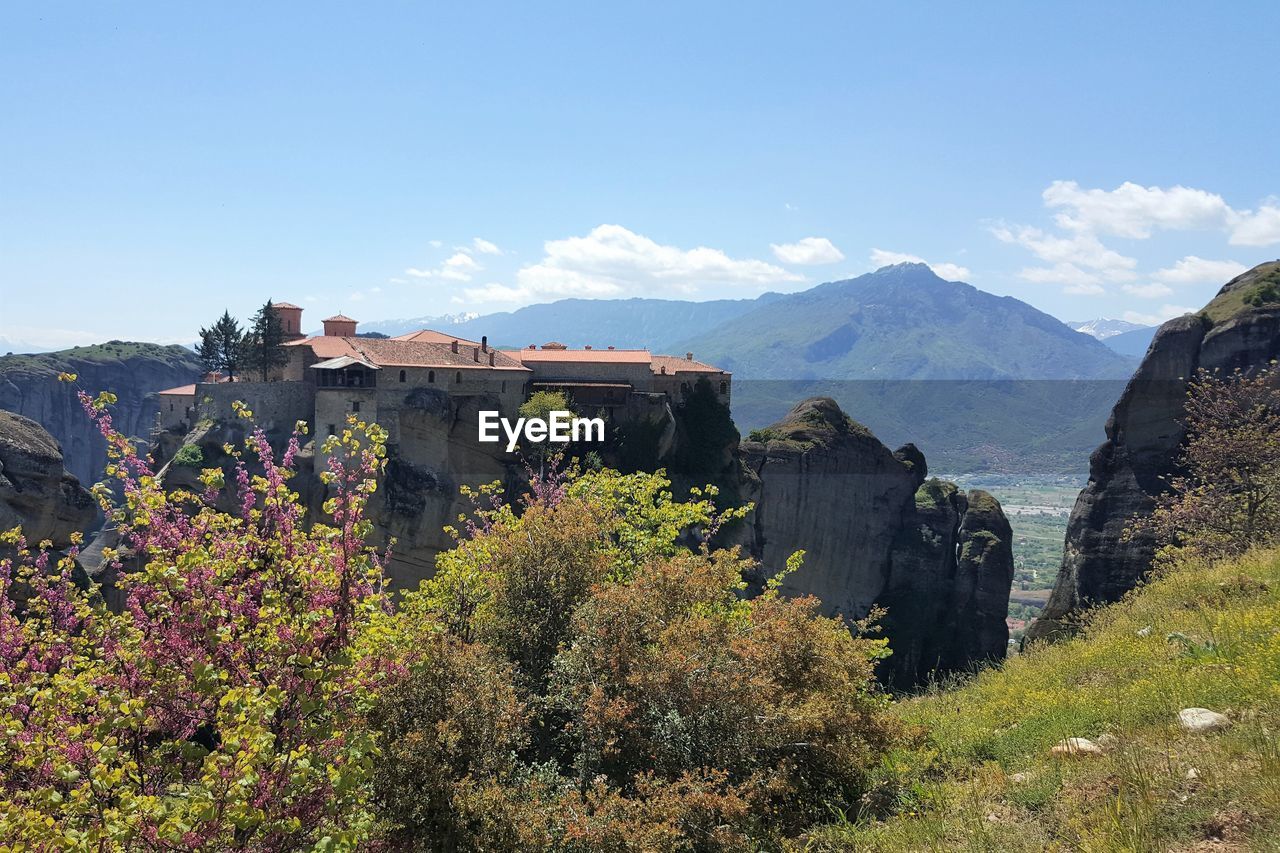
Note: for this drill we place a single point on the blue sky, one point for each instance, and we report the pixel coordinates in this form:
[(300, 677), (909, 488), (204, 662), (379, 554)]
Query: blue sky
[(159, 162)]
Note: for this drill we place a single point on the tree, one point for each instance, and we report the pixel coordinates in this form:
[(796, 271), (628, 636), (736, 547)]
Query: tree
[(223, 345), (614, 691), (264, 343), (540, 405), (221, 709), (1226, 497)]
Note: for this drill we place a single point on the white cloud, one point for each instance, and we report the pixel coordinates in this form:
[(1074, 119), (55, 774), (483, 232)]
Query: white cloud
[(809, 250), (1084, 289), (459, 266), (1257, 228), (948, 271), (1154, 290), (1067, 253), (484, 247), (1193, 270), (435, 244), (1135, 211), (1166, 312), (612, 260)]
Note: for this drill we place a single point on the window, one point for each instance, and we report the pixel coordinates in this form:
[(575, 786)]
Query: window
[(504, 386), (724, 387), (333, 429), (457, 379), (171, 407), (402, 376), (431, 377), (355, 406)]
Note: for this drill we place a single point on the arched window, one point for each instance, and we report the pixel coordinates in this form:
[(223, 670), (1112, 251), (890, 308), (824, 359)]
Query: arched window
[(458, 378), (402, 376), (431, 377)]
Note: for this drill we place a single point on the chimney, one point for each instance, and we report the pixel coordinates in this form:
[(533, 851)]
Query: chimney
[(664, 370), (688, 356), (492, 357), (484, 343), (612, 347), (454, 346), (533, 346), (475, 354), (588, 346)]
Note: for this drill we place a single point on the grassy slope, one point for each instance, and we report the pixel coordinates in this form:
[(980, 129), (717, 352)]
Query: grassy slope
[(983, 779), (52, 363)]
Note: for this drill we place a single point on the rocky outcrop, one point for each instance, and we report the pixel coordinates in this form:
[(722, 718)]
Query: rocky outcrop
[(36, 491), (877, 533), (1239, 329), (133, 372)]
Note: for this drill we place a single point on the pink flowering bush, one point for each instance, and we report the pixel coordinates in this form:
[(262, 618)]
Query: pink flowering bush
[(221, 708)]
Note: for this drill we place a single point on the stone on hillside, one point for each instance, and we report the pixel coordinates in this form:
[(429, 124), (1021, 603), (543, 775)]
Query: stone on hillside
[(1202, 720), (1073, 747), (1108, 741)]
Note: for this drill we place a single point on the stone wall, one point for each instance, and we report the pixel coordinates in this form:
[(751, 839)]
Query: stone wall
[(276, 406)]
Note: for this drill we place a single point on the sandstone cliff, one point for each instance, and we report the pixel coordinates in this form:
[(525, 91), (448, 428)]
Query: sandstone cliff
[(875, 532), (36, 492), (132, 371), (1240, 328)]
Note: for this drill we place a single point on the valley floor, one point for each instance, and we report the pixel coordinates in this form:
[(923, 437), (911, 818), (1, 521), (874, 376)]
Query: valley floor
[(981, 776)]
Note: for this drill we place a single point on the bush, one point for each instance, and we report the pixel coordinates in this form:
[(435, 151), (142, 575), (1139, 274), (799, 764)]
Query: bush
[(188, 456), (632, 699)]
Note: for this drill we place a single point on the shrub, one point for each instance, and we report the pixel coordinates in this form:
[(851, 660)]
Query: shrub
[(632, 699), (188, 456)]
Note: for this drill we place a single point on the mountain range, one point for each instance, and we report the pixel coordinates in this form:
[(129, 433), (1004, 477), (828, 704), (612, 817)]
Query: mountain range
[(1104, 327)]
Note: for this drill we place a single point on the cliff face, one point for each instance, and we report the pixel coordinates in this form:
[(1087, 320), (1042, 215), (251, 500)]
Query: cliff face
[(876, 533), (29, 386), (1239, 329), (36, 492)]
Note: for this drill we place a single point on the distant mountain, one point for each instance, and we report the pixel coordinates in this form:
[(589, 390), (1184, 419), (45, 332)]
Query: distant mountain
[(1133, 343), (391, 328), (625, 323), (903, 322), (1104, 327)]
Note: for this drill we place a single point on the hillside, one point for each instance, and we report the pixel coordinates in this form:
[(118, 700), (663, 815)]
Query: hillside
[(983, 777), (654, 324), (132, 371), (981, 383), (903, 322)]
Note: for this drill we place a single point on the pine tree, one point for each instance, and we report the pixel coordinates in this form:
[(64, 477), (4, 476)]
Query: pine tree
[(223, 345), (265, 340)]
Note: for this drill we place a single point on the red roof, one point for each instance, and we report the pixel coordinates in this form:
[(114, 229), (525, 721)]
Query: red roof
[(180, 391), (390, 352), (675, 364), (430, 336), (340, 318), (286, 305), (571, 356)]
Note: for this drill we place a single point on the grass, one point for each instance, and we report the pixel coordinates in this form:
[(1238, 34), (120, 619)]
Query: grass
[(1264, 291), (980, 776), (75, 358)]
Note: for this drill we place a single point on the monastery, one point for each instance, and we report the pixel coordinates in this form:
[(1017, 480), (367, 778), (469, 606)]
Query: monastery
[(337, 373)]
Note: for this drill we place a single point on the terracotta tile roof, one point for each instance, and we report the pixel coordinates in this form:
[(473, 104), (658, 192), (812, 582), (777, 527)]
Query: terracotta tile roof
[(430, 336), (676, 364), (180, 391), (341, 318), (391, 352), (580, 356), (285, 305)]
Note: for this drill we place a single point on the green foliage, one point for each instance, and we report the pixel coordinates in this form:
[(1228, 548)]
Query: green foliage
[(223, 346), (580, 679), (1200, 635), (263, 344), (1227, 498), (188, 456)]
